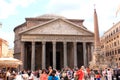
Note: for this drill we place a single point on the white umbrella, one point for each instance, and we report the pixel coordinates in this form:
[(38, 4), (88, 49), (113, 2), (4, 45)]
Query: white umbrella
[(10, 62)]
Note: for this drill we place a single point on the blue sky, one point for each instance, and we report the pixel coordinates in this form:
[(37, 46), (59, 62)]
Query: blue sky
[(14, 12)]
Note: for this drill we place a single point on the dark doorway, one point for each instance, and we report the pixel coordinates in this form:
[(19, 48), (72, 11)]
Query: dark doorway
[(27, 56), (58, 60), (51, 59), (49, 55), (80, 54)]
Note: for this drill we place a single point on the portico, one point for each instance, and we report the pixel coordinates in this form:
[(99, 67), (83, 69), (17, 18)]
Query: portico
[(57, 52)]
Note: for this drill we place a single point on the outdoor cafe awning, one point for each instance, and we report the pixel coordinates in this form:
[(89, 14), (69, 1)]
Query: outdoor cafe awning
[(9, 62)]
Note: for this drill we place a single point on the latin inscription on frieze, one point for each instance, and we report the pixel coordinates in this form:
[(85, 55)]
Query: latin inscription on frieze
[(57, 38)]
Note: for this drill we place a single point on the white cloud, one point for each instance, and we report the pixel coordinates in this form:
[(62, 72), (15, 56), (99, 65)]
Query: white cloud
[(83, 9), (8, 36), (78, 9), (10, 8), (23, 3)]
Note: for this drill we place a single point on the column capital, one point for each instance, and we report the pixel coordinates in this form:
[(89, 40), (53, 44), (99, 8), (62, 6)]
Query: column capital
[(33, 42), (83, 42), (54, 42), (43, 42), (64, 42), (74, 42)]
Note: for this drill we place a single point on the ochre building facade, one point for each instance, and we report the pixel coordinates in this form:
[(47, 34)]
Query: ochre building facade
[(51, 40), (3, 48), (110, 45)]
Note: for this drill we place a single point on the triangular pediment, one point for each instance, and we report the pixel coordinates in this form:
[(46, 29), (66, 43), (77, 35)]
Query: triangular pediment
[(58, 27)]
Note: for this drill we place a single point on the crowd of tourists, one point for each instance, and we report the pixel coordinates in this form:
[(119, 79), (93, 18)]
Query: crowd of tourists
[(81, 73)]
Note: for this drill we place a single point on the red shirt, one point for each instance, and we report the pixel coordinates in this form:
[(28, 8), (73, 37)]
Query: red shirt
[(80, 74), (88, 70), (43, 77), (97, 76)]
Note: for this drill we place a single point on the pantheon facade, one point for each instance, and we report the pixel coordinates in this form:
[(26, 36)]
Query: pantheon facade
[(52, 40)]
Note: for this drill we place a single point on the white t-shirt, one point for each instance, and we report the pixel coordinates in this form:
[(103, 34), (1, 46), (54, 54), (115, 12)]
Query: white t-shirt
[(31, 76), (25, 76), (8, 74)]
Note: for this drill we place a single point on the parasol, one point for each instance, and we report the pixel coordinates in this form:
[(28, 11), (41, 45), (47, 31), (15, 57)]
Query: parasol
[(9, 62)]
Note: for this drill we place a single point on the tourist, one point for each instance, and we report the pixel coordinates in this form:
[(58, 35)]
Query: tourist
[(58, 74), (80, 73), (92, 74), (69, 74), (8, 74), (118, 74), (43, 75), (14, 76), (86, 71), (17, 76), (24, 75), (97, 75), (74, 75), (64, 75), (38, 74), (104, 73), (30, 75), (109, 74), (53, 76), (49, 70)]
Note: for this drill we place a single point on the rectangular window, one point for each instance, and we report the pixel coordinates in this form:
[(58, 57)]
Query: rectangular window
[(118, 51)]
